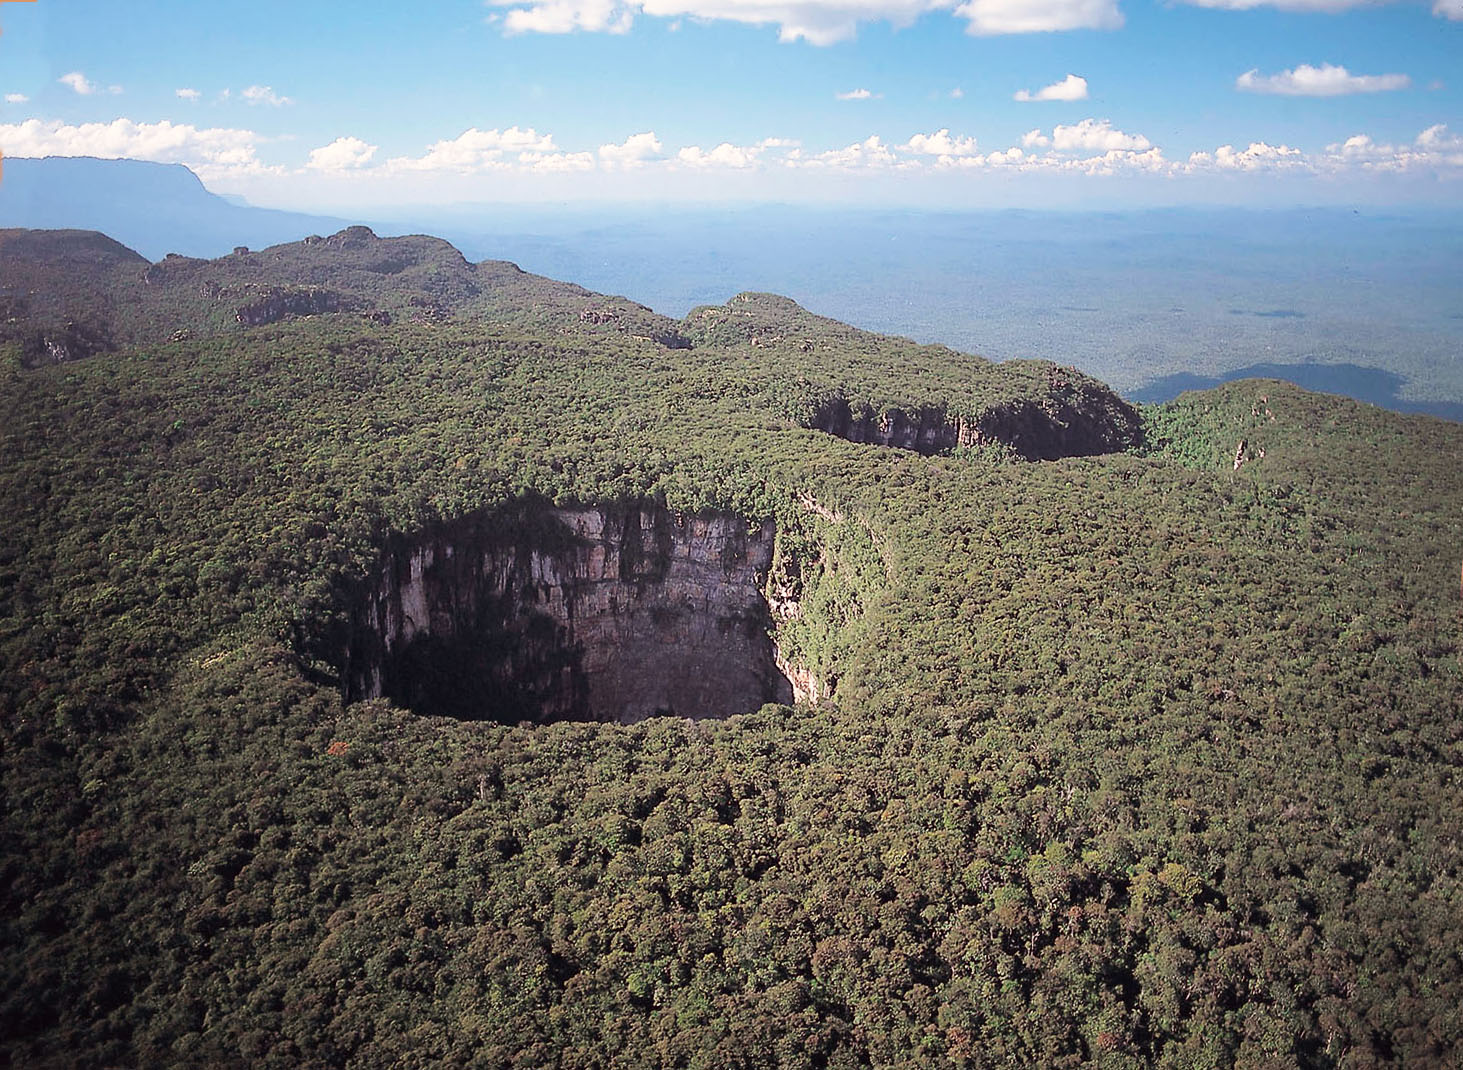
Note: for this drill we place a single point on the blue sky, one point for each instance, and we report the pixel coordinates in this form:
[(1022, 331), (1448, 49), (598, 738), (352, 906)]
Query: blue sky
[(863, 101)]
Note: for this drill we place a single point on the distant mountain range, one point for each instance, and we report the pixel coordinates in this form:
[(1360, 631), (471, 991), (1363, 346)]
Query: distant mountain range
[(154, 208)]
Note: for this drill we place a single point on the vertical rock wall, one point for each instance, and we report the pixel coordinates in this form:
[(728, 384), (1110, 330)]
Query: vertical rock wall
[(607, 613)]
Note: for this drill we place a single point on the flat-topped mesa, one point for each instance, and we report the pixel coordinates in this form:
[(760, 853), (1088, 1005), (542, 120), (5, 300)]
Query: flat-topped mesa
[(607, 613)]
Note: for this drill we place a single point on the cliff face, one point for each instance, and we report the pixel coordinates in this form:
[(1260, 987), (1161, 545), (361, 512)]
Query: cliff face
[(1066, 422), (572, 614), (278, 304)]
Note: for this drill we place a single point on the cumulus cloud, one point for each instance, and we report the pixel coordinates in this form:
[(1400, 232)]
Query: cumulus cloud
[(212, 151), (1035, 139), (871, 153), (1011, 157), (342, 154), (1437, 139), (78, 83), (1449, 9), (1327, 80), (1434, 149), (857, 94), (819, 22), (187, 94), (1069, 88), (16, 98), (477, 150), (1259, 156), (1115, 161), (263, 94), (635, 151), (725, 155), (1097, 135), (940, 143), (991, 17)]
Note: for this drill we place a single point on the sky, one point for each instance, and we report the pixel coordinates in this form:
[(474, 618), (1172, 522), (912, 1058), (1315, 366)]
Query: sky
[(938, 103)]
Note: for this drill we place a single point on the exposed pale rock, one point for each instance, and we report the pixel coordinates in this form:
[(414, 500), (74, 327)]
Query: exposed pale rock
[(574, 614)]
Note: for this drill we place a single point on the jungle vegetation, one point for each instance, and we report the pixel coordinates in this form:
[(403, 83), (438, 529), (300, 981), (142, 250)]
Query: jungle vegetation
[(1142, 758)]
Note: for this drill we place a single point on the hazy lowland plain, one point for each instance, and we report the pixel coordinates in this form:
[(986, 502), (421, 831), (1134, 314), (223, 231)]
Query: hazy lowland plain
[(1363, 302), (409, 660)]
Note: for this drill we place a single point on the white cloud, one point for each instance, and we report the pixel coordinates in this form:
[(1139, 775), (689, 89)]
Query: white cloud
[(957, 92), (869, 154), (732, 157), (1258, 157), (940, 143), (342, 154), (1010, 158), (77, 82), (16, 98), (1096, 135), (990, 17), (818, 22), (477, 150), (1434, 149), (1437, 139), (215, 151), (1327, 80), (187, 94), (1113, 161), (1035, 139), (1449, 9), (857, 94), (263, 94), (635, 151), (566, 16), (725, 155), (1069, 88)]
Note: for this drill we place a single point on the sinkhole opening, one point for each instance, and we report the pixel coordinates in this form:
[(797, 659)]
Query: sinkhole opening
[(544, 613)]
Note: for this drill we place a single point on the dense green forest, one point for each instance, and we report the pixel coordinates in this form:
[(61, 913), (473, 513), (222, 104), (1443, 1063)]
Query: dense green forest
[(1143, 753)]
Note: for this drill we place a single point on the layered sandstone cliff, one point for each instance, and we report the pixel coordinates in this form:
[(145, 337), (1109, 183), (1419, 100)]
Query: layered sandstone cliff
[(603, 613)]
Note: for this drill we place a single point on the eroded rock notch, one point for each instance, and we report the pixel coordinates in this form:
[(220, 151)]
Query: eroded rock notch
[(547, 614)]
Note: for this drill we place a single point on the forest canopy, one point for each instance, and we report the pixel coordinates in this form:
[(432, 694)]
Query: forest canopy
[(1135, 738)]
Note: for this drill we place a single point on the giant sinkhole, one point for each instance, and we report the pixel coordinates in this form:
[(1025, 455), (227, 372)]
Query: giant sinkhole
[(545, 613)]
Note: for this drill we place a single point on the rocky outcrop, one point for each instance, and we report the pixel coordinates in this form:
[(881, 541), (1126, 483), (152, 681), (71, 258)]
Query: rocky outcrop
[(276, 305), (546, 614), (64, 344), (925, 430), (1064, 422)]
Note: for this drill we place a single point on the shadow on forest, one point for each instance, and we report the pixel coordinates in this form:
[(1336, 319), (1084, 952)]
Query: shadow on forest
[(1353, 380)]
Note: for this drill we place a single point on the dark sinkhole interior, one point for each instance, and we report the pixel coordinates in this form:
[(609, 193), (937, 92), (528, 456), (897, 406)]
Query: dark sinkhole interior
[(608, 613)]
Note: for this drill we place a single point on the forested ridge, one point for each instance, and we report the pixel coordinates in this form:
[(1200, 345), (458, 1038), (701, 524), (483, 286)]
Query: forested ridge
[(1144, 756)]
